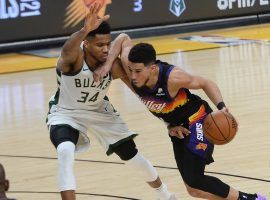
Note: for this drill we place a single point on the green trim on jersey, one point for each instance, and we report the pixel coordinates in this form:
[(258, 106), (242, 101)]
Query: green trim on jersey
[(53, 102), (56, 99)]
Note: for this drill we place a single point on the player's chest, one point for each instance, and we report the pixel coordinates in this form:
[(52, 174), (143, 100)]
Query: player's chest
[(87, 83)]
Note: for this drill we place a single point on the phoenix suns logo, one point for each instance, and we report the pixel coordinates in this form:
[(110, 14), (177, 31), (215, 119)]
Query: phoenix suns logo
[(76, 11)]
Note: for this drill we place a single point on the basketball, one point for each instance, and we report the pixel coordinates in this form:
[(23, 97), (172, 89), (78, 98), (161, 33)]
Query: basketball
[(219, 127)]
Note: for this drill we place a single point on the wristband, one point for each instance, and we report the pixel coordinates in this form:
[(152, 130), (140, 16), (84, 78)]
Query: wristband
[(221, 105)]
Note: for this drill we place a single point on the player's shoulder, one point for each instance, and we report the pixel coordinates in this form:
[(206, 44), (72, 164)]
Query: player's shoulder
[(66, 66), (177, 78), (176, 74)]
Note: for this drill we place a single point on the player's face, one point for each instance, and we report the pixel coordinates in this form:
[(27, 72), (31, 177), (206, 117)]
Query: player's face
[(139, 73), (98, 47)]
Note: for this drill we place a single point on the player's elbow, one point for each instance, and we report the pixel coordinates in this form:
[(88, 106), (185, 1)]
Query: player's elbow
[(205, 83), (123, 36)]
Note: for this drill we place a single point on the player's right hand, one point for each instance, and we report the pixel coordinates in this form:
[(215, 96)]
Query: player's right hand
[(225, 109), (101, 72), (178, 131), (92, 20)]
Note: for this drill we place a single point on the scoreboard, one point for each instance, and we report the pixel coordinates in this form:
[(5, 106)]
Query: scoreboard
[(22, 20)]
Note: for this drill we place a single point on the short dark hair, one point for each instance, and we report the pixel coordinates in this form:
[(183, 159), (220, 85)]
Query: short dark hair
[(142, 53), (2, 177), (104, 28)]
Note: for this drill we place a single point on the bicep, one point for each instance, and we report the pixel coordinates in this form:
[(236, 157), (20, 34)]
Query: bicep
[(69, 62), (181, 79), (194, 82)]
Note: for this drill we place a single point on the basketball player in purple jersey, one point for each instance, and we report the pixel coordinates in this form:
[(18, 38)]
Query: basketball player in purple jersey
[(164, 89)]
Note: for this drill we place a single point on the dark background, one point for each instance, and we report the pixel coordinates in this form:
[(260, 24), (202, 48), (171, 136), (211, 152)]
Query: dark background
[(155, 12)]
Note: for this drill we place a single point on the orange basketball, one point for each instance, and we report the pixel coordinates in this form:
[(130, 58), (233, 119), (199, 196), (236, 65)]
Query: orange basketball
[(219, 127)]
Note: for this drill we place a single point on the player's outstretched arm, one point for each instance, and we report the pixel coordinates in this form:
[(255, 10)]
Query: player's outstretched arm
[(71, 50), (117, 47), (180, 79)]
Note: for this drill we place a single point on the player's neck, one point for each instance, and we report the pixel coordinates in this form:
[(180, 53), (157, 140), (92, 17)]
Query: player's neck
[(153, 78), (92, 63)]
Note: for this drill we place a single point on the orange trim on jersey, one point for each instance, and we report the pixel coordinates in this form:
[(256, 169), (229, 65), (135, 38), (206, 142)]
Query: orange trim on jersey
[(179, 100), (198, 115)]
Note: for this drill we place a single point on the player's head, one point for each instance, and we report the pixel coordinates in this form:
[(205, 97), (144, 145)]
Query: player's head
[(4, 184), (97, 42), (142, 58)]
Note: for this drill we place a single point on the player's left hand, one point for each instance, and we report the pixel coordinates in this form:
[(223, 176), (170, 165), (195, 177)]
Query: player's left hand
[(92, 20), (178, 131)]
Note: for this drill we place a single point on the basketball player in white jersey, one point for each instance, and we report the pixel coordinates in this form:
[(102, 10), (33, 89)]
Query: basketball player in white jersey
[(80, 105)]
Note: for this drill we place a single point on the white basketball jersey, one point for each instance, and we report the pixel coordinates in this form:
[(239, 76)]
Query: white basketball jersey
[(80, 91), (81, 103)]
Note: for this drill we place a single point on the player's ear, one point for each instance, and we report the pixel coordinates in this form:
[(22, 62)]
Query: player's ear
[(85, 43), (153, 66)]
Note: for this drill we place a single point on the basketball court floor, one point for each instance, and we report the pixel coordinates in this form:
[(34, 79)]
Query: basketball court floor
[(236, 59)]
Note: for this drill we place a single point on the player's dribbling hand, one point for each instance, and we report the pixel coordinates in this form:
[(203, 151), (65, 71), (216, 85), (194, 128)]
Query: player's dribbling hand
[(225, 109), (92, 20), (178, 131)]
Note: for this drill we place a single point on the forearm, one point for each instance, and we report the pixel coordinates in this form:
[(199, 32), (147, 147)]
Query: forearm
[(213, 92), (116, 48)]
